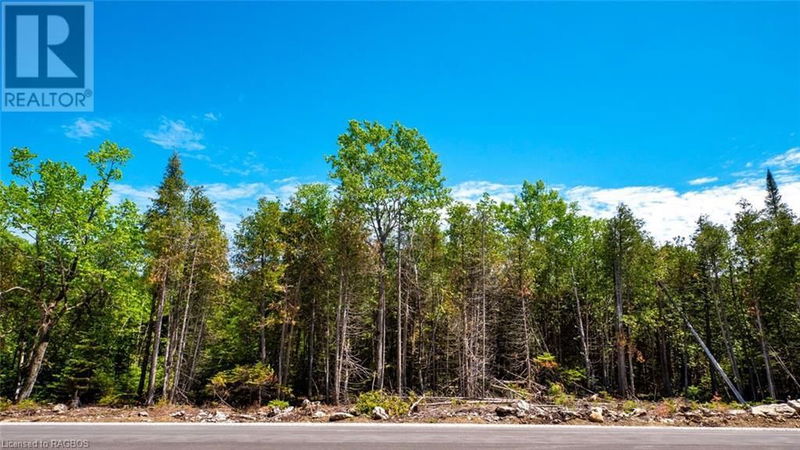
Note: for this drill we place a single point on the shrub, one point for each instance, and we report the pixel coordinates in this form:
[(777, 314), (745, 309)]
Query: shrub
[(546, 361), (244, 385), (115, 399), (393, 404), (27, 405), (5, 404), (629, 405), (275, 403), (604, 396), (693, 392), (572, 376), (559, 396)]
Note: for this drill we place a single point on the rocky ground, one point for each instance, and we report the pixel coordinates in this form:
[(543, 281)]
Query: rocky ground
[(586, 411)]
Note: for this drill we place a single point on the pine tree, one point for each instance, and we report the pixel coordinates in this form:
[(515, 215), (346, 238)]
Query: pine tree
[(166, 231)]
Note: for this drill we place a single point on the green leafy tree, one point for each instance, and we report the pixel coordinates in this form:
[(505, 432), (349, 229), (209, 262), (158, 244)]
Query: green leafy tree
[(81, 244), (387, 173)]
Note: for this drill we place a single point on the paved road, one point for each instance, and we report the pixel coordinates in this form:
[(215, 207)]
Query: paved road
[(382, 436)]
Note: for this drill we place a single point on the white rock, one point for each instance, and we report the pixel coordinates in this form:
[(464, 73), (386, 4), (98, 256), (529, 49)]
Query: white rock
[(335, 417), (794, 404), (773, 410), (596, 415), (318, 415), (522, 405), (143, 414), (220, 416), (378, 413), (60, 408)]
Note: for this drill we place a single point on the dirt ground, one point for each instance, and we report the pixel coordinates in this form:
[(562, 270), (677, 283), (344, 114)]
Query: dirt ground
[(670, 413)]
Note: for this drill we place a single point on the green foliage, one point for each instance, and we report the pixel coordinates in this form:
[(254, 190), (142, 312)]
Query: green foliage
[(693, 392), (559, 395), (572, 376), (27, 405), (275, 403), (85, 253), (546, 361), (629, 405), (393, 404), (244, 385)]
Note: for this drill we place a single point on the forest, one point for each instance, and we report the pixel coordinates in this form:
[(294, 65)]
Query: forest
[(379, 281)]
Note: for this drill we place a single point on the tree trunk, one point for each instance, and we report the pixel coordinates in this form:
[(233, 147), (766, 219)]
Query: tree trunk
[(311, 338), (713, 361), (710, 343), (622, 378), (484, 355), (41, 340), (380, 356), (337, 371), (528, 367), (262, 333), (584, 342), (764, 352), (399, 313), (666, 379), (151, 383), (282, 353), (723, 321), (146, 349), (182, 336), (196, 350)]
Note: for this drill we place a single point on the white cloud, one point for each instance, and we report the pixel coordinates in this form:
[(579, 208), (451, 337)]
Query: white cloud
[(175, 135), (211, 116), (227, 192), (197, 156), (668, 213), (471, 191), (234, 201), (83, 128), (141, 196), (785, 160), (703, 180)]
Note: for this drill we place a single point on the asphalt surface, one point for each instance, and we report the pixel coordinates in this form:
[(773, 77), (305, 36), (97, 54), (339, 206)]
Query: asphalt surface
[(381, 436)]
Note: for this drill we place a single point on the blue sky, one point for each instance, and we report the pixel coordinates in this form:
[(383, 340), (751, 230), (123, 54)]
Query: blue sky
[(675, 108)]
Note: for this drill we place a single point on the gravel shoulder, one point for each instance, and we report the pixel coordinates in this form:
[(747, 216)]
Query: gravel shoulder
[(583, 412)]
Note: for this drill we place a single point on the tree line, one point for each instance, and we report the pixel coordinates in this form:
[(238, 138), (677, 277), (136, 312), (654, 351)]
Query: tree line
[(381, 282)]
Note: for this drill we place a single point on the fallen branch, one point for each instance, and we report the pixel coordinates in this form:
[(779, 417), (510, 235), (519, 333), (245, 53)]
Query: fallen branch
[(414, 405)]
